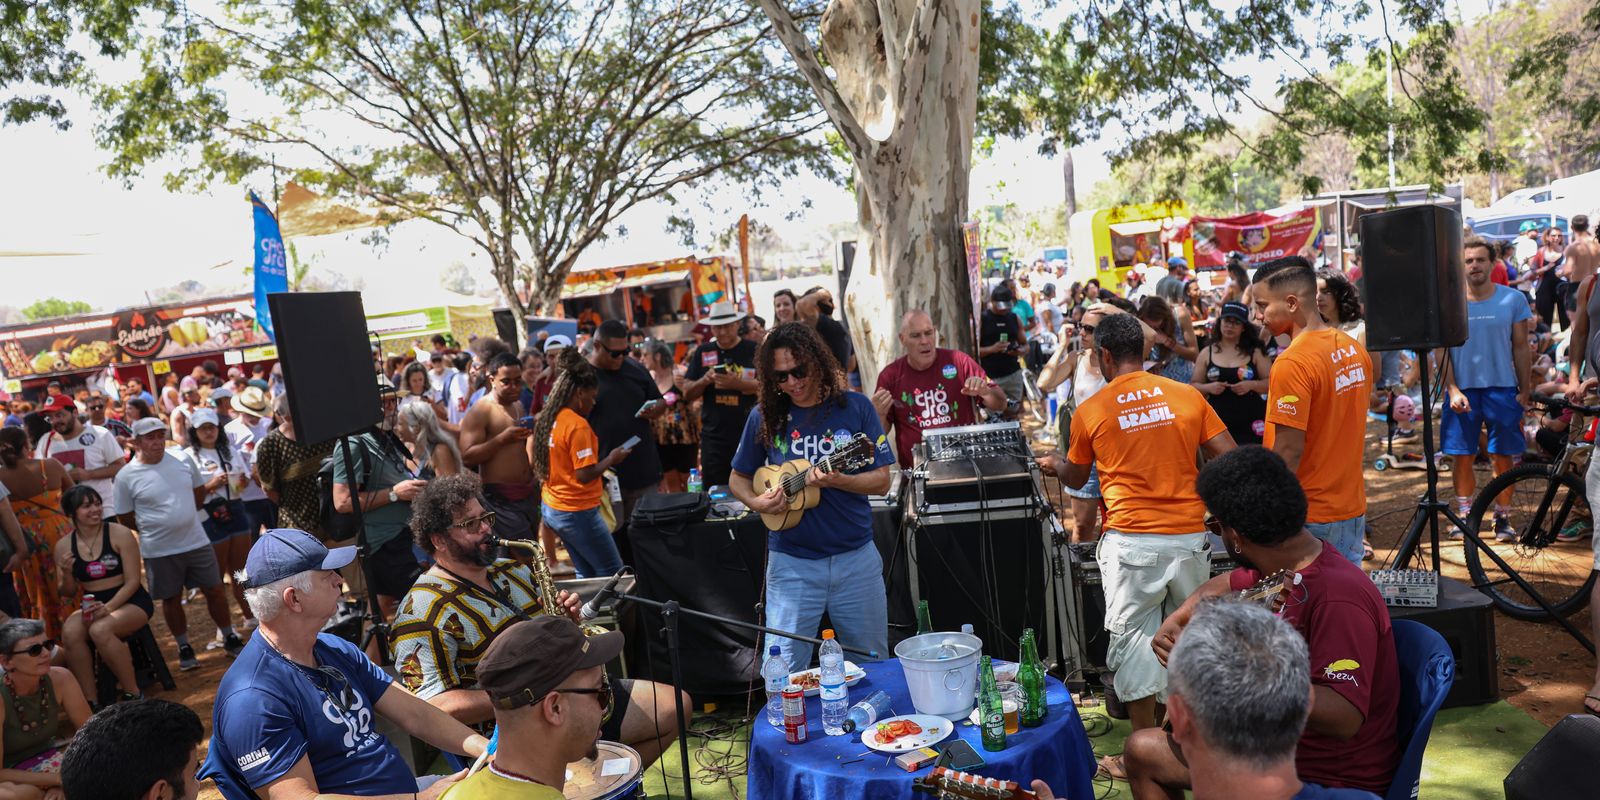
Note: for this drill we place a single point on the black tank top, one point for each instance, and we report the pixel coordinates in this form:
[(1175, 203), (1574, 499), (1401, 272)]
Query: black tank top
[(108, 565)]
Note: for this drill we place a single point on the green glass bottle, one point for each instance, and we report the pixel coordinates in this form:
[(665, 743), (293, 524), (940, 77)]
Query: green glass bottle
[(924, 619), (1030, 676), (991, 711)]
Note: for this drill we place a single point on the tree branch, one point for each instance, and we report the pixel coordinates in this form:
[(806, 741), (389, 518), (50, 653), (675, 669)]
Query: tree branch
[(908, 92), (862, 147)]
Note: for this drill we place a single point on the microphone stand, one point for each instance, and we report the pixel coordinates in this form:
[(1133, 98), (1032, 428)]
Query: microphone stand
[(670, 610)]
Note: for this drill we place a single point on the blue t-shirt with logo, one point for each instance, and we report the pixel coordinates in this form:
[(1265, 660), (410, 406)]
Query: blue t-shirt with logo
[(1484, 361), (271, 712), (842, 521)]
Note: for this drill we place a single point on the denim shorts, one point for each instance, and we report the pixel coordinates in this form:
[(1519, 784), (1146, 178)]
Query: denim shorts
[(1345, 536), (1091, 487)]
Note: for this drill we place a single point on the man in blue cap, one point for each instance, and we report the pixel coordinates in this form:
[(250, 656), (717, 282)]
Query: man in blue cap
[(294, 714), (1172, 285)]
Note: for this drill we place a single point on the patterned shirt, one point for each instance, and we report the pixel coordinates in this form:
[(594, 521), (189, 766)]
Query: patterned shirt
[(289, 468), (444, 626)]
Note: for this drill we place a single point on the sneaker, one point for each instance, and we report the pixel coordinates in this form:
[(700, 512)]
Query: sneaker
[(1403, 434), (124, 697), (1503, 532), (1576, 531), (216, 642), (232, 646), (186, 659)]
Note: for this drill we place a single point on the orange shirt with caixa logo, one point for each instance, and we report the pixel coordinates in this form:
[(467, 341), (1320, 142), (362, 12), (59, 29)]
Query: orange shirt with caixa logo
[(1320, 385), (1142, 431), (573, 446)]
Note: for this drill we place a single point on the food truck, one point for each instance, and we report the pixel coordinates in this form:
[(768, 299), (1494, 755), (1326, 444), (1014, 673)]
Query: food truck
[(1107, 242)]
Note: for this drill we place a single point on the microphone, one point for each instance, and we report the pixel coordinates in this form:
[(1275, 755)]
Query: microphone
[(513, 544), (607, 593)]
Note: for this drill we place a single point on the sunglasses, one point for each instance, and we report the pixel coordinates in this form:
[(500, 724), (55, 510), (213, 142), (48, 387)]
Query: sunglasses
[(782, 376), (344, 698), (98, 407), (603, 694), (36, 650), (616, 353), (472, 523)]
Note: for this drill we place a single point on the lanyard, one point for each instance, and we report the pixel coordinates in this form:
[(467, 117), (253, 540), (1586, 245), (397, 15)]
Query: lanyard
[(496, 594)]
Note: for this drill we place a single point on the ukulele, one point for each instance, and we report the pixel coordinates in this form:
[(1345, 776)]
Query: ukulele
[(793, 476), (1272, 591), (952, 785)]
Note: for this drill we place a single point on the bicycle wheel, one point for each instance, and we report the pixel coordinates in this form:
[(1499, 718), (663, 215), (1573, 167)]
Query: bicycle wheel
[(1542, 504)]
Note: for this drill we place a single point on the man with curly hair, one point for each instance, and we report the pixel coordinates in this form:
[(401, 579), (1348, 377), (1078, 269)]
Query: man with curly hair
[(827, 562)]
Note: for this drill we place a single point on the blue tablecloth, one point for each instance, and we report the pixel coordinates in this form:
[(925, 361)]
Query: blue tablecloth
[(1057, 752)]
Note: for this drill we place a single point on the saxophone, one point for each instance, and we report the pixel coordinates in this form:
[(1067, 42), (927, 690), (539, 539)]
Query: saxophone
[(547, 582)]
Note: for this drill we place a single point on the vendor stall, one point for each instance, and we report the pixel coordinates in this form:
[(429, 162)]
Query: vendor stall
[(664, 298), (1107, 242)]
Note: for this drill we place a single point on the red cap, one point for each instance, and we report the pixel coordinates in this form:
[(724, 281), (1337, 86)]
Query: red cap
[(59, 402)]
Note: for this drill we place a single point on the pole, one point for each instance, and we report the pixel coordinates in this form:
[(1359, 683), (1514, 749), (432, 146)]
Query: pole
[(669, 616), (744, 261), (380, 628), (1427, 456), (1388, 74)]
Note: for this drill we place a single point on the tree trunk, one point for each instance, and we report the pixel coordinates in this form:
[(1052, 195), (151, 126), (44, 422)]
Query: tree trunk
[(1070, 180), (913, 195)]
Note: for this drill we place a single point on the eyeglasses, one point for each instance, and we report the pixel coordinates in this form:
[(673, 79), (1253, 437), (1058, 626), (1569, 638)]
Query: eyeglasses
[(36, 650), (1086, 328), (616, 353), (605, 696), (98, 407), (782, 376), (472, 523)]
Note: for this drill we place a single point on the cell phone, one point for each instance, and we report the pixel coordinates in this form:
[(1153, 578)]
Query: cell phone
[(527, 422), (649, 405), (958, 755), (633, 441)]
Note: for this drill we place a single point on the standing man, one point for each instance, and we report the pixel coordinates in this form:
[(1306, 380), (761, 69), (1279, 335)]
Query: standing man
[(828, 561), (386, 485), (1000, 340), (180, 415), (1142, 431), (815, 308), (1585, 351), (1487, 384), (494, 441), (89, 452), (625, 386), (723, 371), (1316, 403), (158, 495), (1583, 255), (1171, 284), (753, 329), (930, 387)]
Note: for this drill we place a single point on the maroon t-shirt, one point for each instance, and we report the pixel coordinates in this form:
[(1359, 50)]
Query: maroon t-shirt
[(929, 398), (1346, 626)]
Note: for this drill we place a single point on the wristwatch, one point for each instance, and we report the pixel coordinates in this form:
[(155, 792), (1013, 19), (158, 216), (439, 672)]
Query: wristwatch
[(393, 498)]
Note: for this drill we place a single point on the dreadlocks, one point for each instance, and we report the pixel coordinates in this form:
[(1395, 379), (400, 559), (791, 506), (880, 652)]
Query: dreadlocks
[(573, 372), (809, 353)]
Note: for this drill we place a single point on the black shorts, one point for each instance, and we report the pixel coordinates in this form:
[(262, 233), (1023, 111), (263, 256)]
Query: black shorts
[(678, 457), (393, 568), (611, 729), (140, 599)]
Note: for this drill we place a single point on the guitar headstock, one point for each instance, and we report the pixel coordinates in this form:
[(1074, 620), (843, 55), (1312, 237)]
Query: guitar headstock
[(1272, 591), (857, 453), (948, 783)]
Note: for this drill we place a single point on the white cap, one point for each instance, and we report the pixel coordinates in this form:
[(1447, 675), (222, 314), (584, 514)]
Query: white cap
[(555, 341), (203, 416), (148, 425)]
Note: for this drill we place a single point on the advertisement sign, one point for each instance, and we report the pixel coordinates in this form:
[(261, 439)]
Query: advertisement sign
[(138, 334), (972, 237), (271, 269), (1260, 237), (62, 346)]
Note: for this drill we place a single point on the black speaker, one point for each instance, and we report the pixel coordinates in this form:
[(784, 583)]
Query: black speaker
[(1553, 769), (1465, 618), (990, 574), (327, 363), (1412, 284)]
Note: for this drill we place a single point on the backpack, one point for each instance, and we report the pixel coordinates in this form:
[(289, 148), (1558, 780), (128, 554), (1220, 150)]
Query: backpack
[(338, 526)]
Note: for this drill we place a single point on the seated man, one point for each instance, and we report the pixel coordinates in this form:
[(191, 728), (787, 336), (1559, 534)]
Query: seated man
[(294, 713), (537, 674), (1350, 736), (457, 608), (139, 750)]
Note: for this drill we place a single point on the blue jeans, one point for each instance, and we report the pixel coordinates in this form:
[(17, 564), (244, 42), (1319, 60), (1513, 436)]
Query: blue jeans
[(849, 586), (588, 540), (1345, 535)]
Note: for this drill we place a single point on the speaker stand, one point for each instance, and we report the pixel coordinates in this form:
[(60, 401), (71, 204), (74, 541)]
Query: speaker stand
[(377, 628), (1429, 507)]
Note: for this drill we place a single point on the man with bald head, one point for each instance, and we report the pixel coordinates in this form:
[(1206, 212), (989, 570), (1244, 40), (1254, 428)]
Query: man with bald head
[(930, 386)]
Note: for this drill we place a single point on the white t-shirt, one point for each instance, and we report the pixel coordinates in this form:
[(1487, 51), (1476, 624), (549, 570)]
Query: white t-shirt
[(94, 447), (457, 398), (161, 495), (244, 439)]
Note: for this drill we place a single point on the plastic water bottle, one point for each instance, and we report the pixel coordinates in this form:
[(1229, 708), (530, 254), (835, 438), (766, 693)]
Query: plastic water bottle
[(695, 485), (776, 673), (868, 711), (835, 695)]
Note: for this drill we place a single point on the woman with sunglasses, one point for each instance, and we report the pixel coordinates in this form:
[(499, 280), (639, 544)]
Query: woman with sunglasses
[(33, 696), (564, 452), (1073, 374), (36, 485), (102, 559)]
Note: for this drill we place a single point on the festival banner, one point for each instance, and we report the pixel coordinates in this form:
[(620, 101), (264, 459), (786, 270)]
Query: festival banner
[(972, 237), (56, 346), (138, 334), (271, 268), (1260, 237)]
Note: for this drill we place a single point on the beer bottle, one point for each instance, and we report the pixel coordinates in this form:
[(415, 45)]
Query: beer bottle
[(924, 620), (1030, 676), (991, 711)]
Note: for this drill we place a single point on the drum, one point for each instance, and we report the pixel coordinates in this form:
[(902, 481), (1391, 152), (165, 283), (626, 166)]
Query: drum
[(613, 773)]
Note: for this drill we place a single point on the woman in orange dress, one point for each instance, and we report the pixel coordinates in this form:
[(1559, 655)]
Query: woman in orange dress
[(36, 485)]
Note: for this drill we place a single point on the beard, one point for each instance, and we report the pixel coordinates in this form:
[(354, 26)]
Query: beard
[(477, 555), (1238, 558)]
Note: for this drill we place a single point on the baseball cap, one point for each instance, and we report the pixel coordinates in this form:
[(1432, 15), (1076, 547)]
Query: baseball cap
[(221, 393), (148, 425), (385, 387), (1177, 262), (1236, 311), (1528, 225), (555, 341), (1001, 294), (283, 552), (532, 657), (59, 402), (203, 416)]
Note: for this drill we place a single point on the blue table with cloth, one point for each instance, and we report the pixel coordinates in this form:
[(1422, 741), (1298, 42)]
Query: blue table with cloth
[(1057, 752)]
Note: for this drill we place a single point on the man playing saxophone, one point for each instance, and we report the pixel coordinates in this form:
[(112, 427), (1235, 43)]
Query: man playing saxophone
[(449, 617)]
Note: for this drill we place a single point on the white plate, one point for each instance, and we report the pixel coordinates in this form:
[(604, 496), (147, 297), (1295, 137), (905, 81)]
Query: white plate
[(934, 730), (852, 676)]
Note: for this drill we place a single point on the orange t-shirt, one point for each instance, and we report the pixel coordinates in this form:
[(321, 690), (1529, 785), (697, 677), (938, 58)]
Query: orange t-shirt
[(1320, 385), (1142, 431), (573, 446)]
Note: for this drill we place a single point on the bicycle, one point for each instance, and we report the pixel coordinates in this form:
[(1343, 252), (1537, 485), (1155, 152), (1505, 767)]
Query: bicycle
[(1546, 499)]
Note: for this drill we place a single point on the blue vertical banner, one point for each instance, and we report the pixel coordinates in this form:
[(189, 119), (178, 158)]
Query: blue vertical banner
[(271, 267)]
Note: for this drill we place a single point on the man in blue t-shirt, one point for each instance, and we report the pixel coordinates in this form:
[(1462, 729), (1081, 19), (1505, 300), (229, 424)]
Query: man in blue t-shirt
[(827, 561), (1487, 383), (294, 714)]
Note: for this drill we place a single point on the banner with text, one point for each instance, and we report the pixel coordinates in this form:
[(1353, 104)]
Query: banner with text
[(1258, 236), (271, 267)]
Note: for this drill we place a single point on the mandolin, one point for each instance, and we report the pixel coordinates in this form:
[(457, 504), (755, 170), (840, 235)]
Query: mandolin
[(793, 477), (948, 783)]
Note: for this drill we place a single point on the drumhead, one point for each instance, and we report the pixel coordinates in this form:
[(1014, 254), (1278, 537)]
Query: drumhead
[(589, 779)]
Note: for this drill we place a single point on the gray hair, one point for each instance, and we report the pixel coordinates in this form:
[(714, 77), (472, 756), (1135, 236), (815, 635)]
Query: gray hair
[(424, 424), (1246, 676), (16, 630), (266, 602)]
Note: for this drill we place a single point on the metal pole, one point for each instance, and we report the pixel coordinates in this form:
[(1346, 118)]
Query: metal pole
[(1388, 74)]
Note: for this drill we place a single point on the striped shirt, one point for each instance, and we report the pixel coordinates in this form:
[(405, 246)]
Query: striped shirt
[(444, 625)]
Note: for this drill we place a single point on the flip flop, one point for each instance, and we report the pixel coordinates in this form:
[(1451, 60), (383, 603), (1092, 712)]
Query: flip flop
[(1590, 709), (1112, 767), (1366, 550)]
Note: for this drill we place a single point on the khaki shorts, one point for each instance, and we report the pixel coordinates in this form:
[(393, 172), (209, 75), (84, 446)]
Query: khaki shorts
[(1146, 577), (168, 576)]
